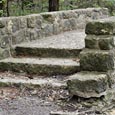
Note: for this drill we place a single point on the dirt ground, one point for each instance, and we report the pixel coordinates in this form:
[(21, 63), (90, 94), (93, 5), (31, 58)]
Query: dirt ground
[(32, 100), (41, 101)]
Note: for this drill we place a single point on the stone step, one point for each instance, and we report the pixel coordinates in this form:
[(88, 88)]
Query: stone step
[(88, 84), (101, 26), (40, 66), (65, 45), (25, 81), (97, 60)]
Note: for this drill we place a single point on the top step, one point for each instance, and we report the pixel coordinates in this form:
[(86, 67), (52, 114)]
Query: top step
[(68, 44), (101, 27)]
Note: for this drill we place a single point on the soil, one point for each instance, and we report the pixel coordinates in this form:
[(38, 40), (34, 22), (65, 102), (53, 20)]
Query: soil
[(24, 100), (41, 101)]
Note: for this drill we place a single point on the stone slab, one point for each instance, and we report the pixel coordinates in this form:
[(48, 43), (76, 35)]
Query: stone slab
[(88, 84), (97, 60), (67, 44), (101, 27), (40, 66), (40, 82)]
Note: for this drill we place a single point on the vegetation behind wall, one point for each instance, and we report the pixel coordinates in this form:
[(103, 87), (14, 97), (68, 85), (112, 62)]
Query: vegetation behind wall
[(24, 7)]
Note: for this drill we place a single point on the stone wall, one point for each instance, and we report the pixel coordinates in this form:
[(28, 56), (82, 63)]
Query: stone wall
[(97, 61), (15, 30)]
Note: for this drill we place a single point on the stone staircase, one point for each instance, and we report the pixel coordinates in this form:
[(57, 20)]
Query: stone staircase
[(57, 55), (53, 60), (97, 61), (89, 58)]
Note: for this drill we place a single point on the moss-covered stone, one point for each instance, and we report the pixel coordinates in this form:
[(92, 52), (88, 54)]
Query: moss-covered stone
[(103, 42), (100, 28), (96, 60), (91, 42), (88, 84), (40, 66), (49, 17), (2, 23), (47, 52), (31, 21)]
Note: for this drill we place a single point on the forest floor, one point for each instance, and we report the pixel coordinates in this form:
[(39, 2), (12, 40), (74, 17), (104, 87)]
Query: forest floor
[(43, 101)]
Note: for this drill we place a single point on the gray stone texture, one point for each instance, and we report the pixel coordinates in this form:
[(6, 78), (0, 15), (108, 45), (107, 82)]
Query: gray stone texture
[(97, 60), (35, 26), (88, 84), (102, 42), (66, 45), (101, 27), (40, 66)]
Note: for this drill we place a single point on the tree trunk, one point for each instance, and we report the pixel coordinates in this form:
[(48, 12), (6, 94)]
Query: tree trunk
[(53, 5), (7, 9), (1, 5)]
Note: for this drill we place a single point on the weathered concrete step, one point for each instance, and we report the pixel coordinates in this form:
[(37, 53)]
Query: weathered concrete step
[(88, 84), (40, 82), (40, 66), (68, 44)]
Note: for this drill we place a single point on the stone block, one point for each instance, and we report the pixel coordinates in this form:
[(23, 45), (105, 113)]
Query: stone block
[(4, 53), (15, 24), (31, 21), (39, 21), (96, 60), (33, 34), (56, 28), (5, 42), (3, 22), (69, 14), (66, 25), (88, 84), (103, 42), (48, 17), (111, 78), (73, 23), (23, 22), (47, 29), (19, 37), (101, 27)]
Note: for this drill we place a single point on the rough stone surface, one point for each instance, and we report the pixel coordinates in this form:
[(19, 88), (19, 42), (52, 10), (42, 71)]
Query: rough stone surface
[(103, 42), (68, 44), (96, 60), (40, 66), (32, 27), (40, 82), (88, 84), (101, 27), (63, 113)]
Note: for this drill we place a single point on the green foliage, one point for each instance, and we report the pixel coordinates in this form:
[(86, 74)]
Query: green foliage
[(24, 7), (110, 4)]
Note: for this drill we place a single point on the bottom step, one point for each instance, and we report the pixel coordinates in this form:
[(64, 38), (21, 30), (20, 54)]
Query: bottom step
[(25, 81), (88, 84), (40, 66)]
